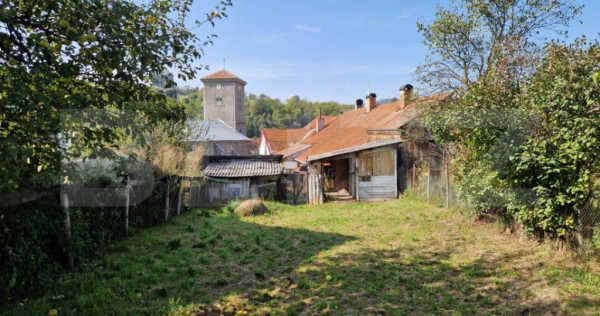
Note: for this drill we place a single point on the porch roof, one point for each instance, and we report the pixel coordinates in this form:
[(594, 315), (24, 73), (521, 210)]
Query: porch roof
[(348, 150)]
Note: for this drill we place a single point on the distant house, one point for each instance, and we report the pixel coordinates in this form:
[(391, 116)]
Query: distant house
[(274, 140), (242, 177), (219, 138), (362, 151)]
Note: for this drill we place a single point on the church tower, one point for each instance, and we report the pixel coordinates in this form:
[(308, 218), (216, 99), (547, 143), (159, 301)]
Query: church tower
[(224, 99)]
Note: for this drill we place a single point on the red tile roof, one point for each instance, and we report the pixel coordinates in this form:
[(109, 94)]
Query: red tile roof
[(312, 124), (350, 128), (292, 151), (282, 138), (223, 75)]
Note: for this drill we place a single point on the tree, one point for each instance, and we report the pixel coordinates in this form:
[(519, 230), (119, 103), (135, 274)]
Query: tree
[(473, 38), (72, 55), (530, 154), (194, 104), (561, 158), (265, 112)]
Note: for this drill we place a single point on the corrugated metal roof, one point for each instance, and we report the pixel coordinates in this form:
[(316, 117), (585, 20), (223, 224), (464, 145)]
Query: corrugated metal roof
[(201, 131), (243, 166)]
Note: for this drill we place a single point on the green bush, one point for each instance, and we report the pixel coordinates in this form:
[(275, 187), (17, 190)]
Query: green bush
[(34, 243), (31, 249), (596, 237)]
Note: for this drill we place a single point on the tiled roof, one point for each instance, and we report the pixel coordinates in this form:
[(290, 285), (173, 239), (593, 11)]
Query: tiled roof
[(221, 75), (293, 151), (312, 124), (243, 166), (201, 130), (282, 138), (350, 128)]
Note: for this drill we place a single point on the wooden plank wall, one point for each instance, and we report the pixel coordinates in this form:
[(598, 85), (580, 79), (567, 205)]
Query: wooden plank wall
[(377, 163), (379, 188), (315, 189), (377, 174)]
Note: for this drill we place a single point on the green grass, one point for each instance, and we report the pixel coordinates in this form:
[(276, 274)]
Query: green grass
[(397, 257)]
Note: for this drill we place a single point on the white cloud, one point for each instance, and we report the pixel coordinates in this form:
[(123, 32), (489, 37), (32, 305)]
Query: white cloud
[(311, 29)]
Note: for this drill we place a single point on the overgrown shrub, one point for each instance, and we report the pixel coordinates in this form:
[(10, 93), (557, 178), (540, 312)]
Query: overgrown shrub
[(530, 149), (34, 243), (32, 255), (596, 237)]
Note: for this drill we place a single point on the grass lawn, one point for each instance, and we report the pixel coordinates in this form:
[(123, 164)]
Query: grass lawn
[(397, 257)]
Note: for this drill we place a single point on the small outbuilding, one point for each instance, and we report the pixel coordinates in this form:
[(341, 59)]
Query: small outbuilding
[(243, 177)]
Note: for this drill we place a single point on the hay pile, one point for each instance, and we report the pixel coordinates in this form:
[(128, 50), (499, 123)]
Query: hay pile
[(251, 207)]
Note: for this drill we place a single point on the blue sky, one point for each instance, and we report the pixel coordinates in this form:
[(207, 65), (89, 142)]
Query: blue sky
[(328, 50)]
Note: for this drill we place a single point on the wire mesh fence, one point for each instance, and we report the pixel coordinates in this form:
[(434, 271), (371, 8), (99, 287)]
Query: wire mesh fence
[(587, 230), (433, 185)]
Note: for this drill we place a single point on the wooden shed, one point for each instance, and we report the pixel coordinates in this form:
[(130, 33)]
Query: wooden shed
[(242, 177)]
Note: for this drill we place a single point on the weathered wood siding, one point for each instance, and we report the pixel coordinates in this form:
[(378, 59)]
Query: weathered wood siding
[(377, 178), (378, 188), (235, 189), (352, 175), (315, 189)]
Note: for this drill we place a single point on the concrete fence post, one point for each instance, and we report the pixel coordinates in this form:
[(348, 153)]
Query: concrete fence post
[(127, 200), (179, 194), (167, 198), (65, 204)]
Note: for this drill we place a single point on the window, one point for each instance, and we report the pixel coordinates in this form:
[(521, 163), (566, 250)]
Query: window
[(219, 100)]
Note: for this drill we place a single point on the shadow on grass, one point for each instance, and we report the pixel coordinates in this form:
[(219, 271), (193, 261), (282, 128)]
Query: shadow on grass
[(393, 283), (196, 258)]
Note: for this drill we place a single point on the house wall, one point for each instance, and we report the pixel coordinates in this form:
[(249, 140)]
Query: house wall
[(245, 188), (232, 148), (264, 148), (377, 188)]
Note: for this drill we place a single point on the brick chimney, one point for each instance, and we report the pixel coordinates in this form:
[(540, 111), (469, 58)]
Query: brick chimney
[(320, 122), (359, 104), (405, 95), (371, 102)]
